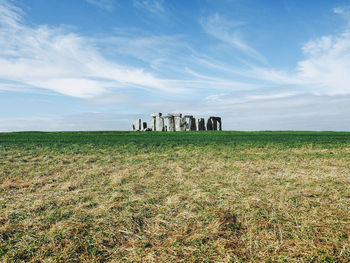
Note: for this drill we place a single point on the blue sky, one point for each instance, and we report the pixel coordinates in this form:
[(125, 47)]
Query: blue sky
[(100, 64)]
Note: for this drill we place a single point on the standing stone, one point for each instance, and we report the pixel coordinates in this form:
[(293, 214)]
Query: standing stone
[(209, 124), (219, 128), (214, 122), (171, 123), (153, 121), (192, 124), (138, 125), (187, 125), (183, 124), (156, 122), (144, 125), (159, 123), (178, 121), (200, 124), (133, 127)]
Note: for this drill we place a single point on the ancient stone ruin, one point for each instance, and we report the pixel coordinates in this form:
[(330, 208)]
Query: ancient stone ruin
[(176, 122)]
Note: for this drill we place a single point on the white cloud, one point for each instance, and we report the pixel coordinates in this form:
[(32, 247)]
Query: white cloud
[(61, 61), (108, 5), (153, 6), (228, 32), (344, 11), (327, 64)]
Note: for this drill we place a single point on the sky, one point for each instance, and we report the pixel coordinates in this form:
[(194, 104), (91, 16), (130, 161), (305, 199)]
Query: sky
[(100, 64)]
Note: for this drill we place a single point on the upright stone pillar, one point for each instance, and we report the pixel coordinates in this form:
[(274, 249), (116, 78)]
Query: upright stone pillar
[(209, 124), (153, 121), (200, 124), (144, 125), (178, 121), (214, 122), (138, 125), (183, 124), (159, 123), (192, 124), (133, 127), (219, 128), (171, 123)]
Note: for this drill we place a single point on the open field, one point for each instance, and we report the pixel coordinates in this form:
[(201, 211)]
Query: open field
[(175, 197)]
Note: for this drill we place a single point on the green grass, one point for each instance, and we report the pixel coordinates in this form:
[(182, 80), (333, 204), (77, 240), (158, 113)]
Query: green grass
[(160, 140), (175, 197)]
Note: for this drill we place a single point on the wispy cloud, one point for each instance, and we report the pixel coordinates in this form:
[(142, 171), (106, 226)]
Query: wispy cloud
[(344, 11), (58, 60), (324, 70), (155, 7), (108, 5), (228, 32), (327, 63)]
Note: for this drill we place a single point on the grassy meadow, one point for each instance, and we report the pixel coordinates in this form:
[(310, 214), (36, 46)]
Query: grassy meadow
[(175, 197)]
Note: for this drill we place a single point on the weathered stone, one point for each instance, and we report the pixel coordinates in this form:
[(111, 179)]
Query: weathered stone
[(171, 123), (219, 128), (138, 125), (200, 124), (159, 123), (183, 124), (178, 121), (153, 120), (153, 123), (133, 127), (209, 124), (215, 123), (192, 124)]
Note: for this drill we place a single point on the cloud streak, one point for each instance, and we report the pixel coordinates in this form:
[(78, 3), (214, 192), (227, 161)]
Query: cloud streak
[(228, 32), (107, 5), (53, 58), (155, 7)]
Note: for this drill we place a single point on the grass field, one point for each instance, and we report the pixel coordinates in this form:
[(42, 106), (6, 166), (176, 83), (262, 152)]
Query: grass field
[(175, 197)]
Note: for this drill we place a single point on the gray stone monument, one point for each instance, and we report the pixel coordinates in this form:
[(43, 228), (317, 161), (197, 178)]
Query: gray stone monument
[(214, 122), (200, 124), (178, 121), (144, 125), (209, 124), (191, 124), (153, 121), (171, 122), (218, 121), (159, 123), (138, 125)]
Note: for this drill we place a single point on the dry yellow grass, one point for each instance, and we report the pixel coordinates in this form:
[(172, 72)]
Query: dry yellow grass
[(188, 204)]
